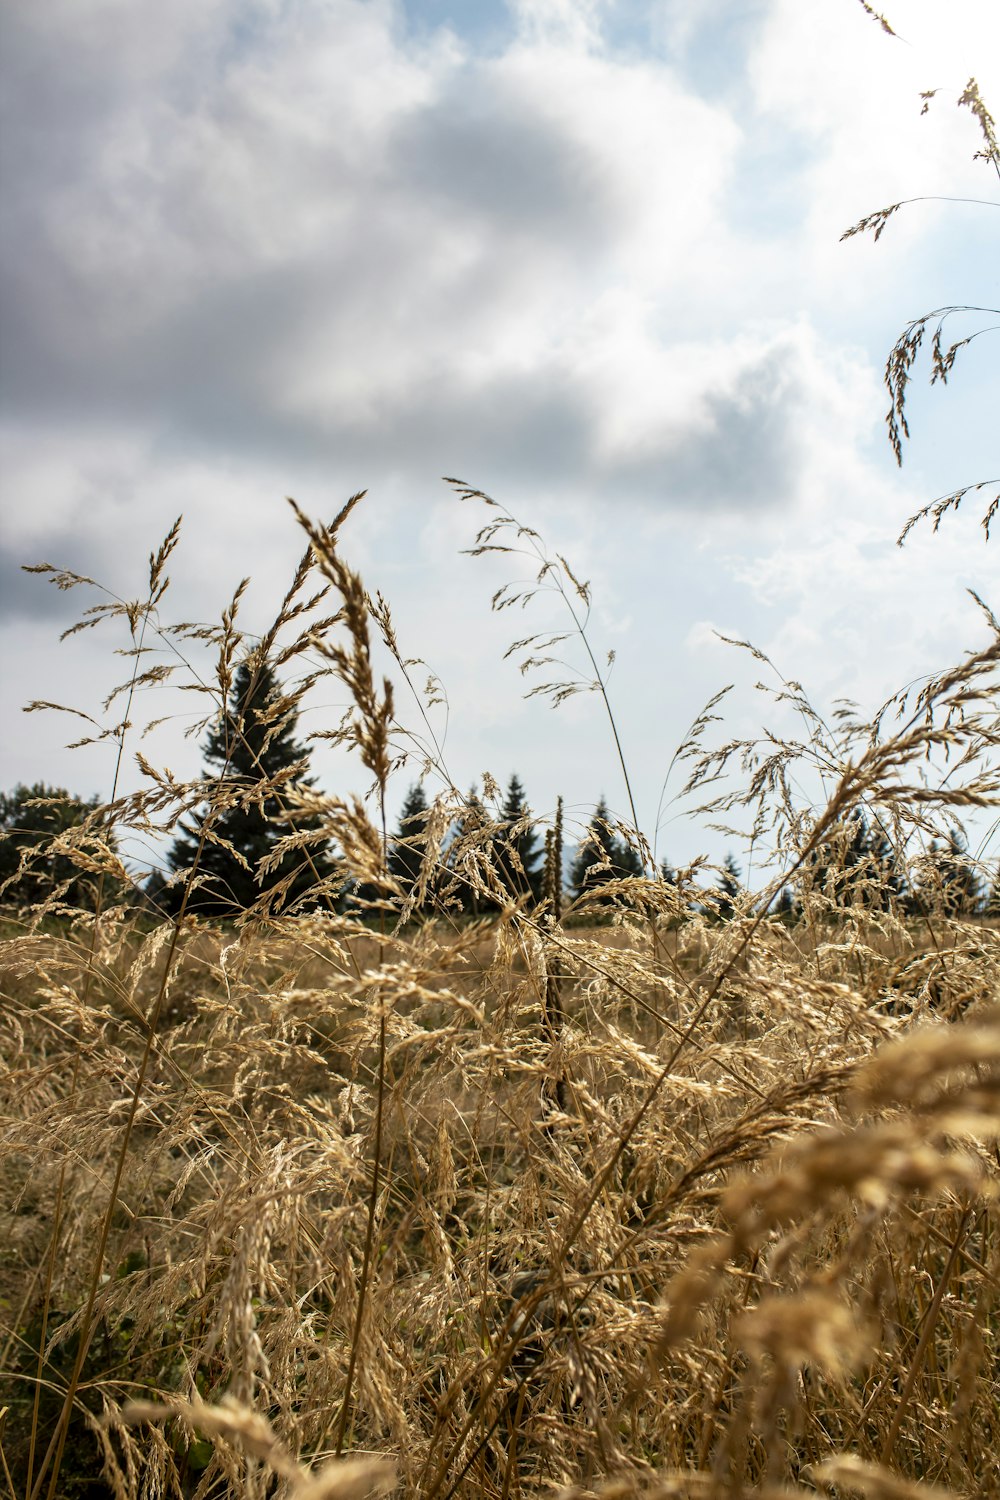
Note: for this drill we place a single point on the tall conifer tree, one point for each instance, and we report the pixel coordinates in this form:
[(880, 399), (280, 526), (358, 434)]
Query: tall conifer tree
[(30, 818), (406, 853), (518, 855), (468, 851), (256, 760), (729, 889), (856, 866), (950, 883), (602, 856)]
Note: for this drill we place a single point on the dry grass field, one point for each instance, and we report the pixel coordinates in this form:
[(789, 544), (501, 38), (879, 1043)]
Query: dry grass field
[(616, 1199)]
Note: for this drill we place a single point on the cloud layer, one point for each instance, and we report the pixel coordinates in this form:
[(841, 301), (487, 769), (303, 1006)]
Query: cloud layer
[(294, 234), (584, 254)]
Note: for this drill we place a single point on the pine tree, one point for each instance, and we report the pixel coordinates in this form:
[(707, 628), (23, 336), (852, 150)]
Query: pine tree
[(628, 861), (468, 848), (786, 907), (888, 886), (949, 883), (853, 867), (595, 851), (857, 866), (406, 853), (30, 818), (729, 889), (678, 891), (602, 856), (518, 855), (256, 760)]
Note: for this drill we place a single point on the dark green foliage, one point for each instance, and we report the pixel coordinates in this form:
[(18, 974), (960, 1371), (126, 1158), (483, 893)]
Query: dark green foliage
[(82, 1477), (680, 893), (406, 851), (949, 884), (469, 848), (628, 861), (492, 861), (786, 906), (729, 889), (30, 818), (603, 856), (257, 761), (890, 884), (518, 854), (856, 866)]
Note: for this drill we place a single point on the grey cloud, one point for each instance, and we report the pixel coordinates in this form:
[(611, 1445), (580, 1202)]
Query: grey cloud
[(746, 452), (527, 431), (477, 151), (51, 107), (747, 455), (193, 360), (76, 339), (113, 552), (32, 596), (202, 374)]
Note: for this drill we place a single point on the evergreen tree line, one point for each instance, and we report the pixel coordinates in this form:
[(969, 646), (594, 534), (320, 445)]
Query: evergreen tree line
[(41, 827), (484, 861), (858, 866), (488, 861), (480, 864)]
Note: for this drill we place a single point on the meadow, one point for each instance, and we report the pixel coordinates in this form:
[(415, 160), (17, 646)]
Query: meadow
[(620, 1197)]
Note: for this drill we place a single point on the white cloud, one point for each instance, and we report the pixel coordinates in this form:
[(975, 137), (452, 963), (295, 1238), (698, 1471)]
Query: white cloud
[(852, 100), (335, 231)]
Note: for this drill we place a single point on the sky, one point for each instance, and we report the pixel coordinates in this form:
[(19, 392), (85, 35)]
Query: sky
[(584, 255)]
